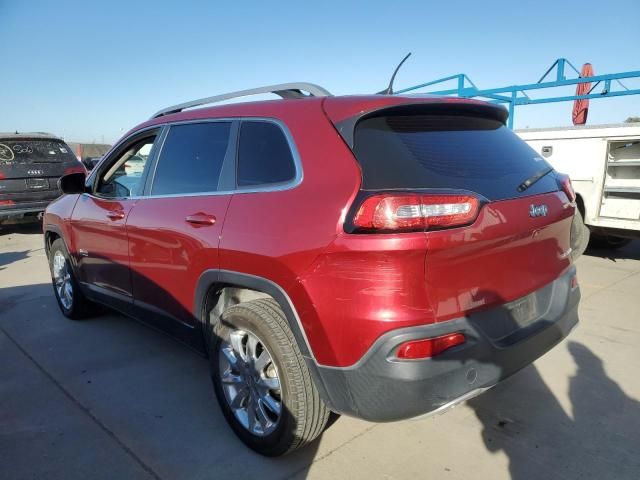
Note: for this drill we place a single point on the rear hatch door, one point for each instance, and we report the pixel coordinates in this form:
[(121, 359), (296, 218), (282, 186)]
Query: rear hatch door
[(520, 240), (31, 167)]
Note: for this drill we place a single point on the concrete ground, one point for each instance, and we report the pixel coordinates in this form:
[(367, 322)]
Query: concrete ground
[(110, 398)]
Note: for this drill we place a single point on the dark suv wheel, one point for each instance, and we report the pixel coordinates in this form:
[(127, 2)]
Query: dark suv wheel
[(71, 301), (579, 236), (261, 380)]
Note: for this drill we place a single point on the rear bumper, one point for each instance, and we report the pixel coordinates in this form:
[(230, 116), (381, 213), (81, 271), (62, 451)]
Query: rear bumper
[(21, 209), (381, 388)]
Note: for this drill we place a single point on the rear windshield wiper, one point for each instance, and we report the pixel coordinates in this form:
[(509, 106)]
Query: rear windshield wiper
[(534, 178)]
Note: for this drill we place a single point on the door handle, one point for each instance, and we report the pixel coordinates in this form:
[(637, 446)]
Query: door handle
[(116, 215), (200, 219)]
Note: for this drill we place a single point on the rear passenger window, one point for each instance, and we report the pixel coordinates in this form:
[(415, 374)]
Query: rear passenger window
[(191, 158), (264, 156)]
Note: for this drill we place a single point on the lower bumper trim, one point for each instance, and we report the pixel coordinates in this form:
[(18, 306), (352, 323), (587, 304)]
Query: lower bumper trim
[(453, 403)]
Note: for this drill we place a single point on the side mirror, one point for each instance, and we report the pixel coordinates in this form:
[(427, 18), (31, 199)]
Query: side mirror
[(72, 183)]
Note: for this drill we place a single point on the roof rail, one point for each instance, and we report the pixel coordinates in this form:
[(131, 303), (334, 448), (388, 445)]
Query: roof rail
[(284, 90)]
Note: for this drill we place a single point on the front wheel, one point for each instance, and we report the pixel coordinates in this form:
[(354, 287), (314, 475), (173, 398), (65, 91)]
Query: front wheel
[(71, 300), (261, 380)]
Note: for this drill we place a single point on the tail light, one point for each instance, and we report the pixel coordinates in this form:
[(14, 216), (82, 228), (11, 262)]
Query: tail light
[(4, 203), (428, 347), (410, 212), (564, 182)]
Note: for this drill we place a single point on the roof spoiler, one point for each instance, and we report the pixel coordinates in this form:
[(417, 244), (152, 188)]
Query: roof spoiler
[(347, 127)]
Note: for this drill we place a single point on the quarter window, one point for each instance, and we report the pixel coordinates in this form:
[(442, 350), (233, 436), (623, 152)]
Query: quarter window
[(191, 159), (264, 156), (124, 178)]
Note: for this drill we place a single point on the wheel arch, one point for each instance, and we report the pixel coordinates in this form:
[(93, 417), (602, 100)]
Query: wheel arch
[(218, 289), (211, 293), (51, 234)]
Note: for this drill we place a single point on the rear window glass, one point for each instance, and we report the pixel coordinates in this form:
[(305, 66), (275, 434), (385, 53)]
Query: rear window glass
[(34, 151), (446, 152), (264, 156), (192, 158)]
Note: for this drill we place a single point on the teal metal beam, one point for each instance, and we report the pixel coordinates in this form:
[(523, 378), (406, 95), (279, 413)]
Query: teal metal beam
[(514, 95), (476, 92), (570, 98)]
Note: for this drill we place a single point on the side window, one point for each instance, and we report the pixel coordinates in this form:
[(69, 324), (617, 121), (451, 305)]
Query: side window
[(191, 158), (124, 177), (264, 156)]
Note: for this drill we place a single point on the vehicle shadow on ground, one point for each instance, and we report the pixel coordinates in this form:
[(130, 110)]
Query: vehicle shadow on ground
[(155, 397), (28, 228), (597, 438), (7, 258), (150, 391), (628, 252)]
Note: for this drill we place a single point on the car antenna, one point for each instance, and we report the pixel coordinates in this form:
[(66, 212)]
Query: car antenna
[(389, 89)]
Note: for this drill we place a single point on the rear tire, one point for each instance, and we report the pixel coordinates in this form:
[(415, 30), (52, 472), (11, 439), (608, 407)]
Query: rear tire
[(72, 302), (279, 391)]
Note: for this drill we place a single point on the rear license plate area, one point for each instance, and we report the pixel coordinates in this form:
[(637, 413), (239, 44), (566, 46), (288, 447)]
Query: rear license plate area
[(523, 311), (37, 183), (505, 323)]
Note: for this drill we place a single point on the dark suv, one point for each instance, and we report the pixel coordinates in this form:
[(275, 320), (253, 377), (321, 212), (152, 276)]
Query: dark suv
[(378, 256), (30, 166)]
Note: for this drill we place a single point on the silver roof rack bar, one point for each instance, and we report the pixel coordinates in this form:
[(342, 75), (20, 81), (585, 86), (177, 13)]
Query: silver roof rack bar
[(284, 90)]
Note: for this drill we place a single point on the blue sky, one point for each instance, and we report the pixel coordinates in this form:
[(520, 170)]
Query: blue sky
[(91, 70)]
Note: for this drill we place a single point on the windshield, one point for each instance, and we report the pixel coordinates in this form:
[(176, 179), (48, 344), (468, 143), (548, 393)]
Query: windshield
[(447, 152), (34, 151)]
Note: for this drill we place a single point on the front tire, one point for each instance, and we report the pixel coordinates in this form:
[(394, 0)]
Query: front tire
[(261, 380), (73, 304)]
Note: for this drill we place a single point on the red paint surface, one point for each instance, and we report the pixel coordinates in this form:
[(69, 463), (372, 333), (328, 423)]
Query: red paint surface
[(168, 254), (105, 241), (348, 289), (366, 285)]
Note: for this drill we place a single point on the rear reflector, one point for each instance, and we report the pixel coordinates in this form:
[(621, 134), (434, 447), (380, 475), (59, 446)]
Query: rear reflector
[(428, 347), (565, 184), (398, 212), (4, 203)]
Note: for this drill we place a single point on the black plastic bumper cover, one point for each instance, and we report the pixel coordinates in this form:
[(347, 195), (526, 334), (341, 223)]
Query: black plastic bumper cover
[(23, 209), (381, 388)]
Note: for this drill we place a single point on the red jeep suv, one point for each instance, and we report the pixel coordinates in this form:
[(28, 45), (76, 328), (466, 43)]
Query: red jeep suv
[(378, 256)]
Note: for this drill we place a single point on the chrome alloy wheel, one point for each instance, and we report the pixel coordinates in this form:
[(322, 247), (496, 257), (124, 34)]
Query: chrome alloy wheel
[(62, 280), (250, 382)]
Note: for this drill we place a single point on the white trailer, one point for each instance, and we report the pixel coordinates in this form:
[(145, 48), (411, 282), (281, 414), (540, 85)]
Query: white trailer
[(603, 162)]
